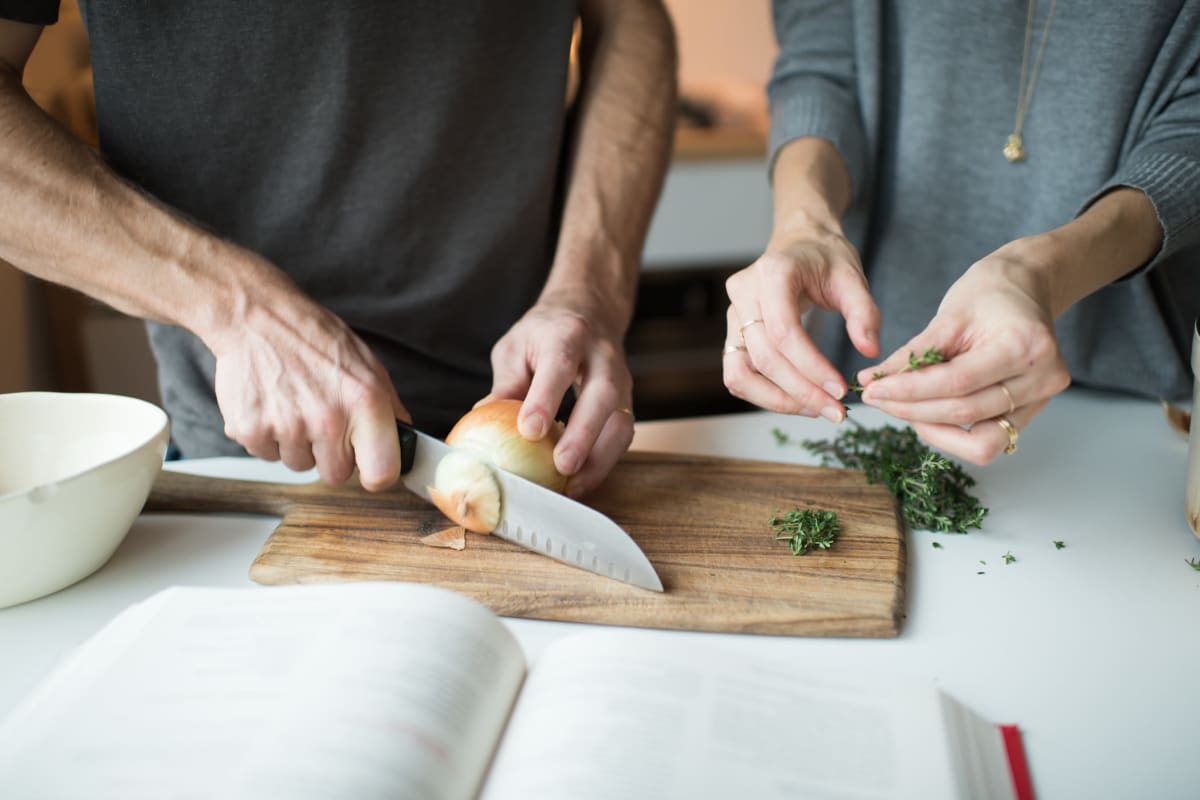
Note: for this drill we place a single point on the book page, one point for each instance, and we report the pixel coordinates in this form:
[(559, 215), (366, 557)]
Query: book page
[(332, 691), (618, 716)]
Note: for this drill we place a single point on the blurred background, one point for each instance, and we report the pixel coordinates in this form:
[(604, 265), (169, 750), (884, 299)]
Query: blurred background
[(713, 218)]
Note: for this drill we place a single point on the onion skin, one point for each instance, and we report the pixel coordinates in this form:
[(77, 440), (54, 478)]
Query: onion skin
[(489, 432)]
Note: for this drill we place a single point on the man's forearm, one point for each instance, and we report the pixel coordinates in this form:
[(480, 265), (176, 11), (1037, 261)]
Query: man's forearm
[(66, 217), (811, 187), (620, 149)]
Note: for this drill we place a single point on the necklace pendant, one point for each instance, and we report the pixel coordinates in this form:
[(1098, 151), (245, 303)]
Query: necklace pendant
[(1014, 149)]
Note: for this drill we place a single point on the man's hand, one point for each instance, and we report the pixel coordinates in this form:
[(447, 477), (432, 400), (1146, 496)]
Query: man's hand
[(294, 383), (561, 342), (617, 157), (769, 358)]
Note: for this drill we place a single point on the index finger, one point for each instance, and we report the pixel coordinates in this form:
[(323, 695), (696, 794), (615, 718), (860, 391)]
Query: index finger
[(553, 373), (602, 394)]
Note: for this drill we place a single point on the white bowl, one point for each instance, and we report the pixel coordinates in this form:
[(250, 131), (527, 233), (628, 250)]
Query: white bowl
[(75, 471)]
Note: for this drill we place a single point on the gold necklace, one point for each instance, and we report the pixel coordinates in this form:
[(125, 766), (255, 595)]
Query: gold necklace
[(1014, 149)]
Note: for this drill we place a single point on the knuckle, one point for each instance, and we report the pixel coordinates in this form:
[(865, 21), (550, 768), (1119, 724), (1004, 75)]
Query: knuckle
[(735, 282), (335, 470), (327, 424), (959, 412), (1061, 378), (575, 330), (734, 378)]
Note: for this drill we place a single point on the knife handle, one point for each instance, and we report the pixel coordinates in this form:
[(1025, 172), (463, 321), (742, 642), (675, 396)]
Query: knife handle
[(408, 445)]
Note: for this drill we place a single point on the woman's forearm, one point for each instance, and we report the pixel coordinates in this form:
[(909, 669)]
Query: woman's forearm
[(1116, 235), (811, 186)]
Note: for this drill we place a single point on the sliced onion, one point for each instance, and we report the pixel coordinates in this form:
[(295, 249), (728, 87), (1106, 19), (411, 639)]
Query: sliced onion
[(465, 488)]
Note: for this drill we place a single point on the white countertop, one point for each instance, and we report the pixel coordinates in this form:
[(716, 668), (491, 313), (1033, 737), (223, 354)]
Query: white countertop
[(1091, 649)]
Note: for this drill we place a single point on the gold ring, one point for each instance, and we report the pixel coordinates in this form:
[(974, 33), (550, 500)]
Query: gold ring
[(625, 410), (731, 348), (748, 324), (1011, 430), (1012, 406)]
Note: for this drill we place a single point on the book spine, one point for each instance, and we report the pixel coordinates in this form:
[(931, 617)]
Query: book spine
[(1017, 764)]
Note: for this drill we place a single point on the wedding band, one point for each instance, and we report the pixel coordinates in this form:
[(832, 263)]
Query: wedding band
[(1012, 406), (626, 410), (731, 348), (748, 324), (1011, 430)]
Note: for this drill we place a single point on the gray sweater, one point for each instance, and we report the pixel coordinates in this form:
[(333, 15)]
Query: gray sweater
[(919, 99)]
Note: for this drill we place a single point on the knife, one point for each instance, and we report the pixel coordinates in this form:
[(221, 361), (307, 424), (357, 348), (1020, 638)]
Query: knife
[(537, 518)]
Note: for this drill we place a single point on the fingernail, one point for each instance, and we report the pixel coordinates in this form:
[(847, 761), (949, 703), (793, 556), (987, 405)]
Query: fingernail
[(834, 390), (533, 426), (566, 462), (832, 413)]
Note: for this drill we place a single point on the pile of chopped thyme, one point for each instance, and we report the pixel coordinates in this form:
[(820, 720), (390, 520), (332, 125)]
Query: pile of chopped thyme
[(806, 529), (932, 490)]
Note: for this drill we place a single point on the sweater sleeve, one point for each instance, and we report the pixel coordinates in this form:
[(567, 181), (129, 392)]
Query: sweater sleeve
[(1164, 163), (812, 91)]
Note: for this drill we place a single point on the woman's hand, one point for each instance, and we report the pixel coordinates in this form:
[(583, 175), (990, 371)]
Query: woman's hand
[(570, 339), (769, 359), (995, 328)]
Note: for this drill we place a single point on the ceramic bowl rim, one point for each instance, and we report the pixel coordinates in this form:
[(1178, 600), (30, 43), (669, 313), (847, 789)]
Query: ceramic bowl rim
[(76, 475)]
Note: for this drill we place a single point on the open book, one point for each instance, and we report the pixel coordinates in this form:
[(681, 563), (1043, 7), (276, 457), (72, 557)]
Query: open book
[(390, 690)]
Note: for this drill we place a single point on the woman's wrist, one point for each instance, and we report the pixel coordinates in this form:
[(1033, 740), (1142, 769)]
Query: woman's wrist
[(1118, 234)]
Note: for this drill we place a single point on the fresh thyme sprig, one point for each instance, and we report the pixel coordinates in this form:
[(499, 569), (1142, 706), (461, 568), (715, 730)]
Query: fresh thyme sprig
[(806, 529), (932, 490), (915, 362)]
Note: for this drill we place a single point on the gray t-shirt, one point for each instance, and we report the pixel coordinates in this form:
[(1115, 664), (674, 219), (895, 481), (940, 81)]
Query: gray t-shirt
[(919, 98), (399, 160)]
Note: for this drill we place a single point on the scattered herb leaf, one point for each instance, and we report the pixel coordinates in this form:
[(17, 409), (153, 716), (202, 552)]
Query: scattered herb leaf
[(937, 545), (806, 529), (981, 572), (932, 489), (1194, 563), (1058, 544), (1009, 557), (781, 438), (981, 561)]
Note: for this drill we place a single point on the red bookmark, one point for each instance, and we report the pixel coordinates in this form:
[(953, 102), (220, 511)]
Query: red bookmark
[(1017, 764)]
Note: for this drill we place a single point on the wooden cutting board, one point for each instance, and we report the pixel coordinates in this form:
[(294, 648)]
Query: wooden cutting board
[(702, 522)]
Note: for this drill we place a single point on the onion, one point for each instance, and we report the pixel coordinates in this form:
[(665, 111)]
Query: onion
[(465, 488)]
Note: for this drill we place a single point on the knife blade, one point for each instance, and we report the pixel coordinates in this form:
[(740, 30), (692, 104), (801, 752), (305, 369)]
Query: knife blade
[(537, 518)]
